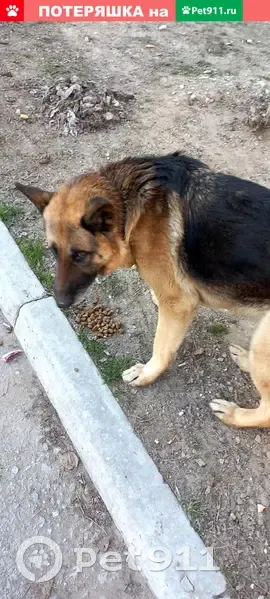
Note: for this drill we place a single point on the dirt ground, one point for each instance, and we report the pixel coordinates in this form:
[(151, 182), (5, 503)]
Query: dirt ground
[(193, 84), (46, 492)]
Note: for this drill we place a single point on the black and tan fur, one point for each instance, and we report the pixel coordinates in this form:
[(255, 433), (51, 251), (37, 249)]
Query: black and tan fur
[(197, 238)]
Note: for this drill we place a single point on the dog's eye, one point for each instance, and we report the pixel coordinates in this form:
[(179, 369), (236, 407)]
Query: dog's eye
[(79, 256)]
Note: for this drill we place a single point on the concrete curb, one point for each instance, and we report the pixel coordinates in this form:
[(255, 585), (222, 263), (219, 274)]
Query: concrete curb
[(18, 284), (140, 503)]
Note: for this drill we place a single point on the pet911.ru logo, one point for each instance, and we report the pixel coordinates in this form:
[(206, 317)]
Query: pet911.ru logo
[(12, 10), (199, 10)]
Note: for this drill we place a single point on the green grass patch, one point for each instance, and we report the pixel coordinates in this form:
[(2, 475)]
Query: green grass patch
[(93, 347), (218, 329), (8, 213), (111, 368), (194, 511), (50, 67), (230, 575), (34, 252), (46, 278)]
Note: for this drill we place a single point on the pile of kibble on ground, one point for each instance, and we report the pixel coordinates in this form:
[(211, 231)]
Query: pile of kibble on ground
[(99, 320)]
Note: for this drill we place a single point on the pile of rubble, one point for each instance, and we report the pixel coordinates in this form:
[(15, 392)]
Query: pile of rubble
[(76, 106), (258, 110)]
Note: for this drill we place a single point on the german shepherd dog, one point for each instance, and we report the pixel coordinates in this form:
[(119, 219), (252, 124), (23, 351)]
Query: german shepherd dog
[(197, 238)]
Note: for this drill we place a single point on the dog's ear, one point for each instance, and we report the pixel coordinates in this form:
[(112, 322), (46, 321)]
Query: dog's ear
[(39, 197), (99, 217)]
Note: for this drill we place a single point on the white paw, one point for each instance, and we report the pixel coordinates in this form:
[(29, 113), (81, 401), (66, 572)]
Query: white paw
[(133, 374), (224, 410), (143, 374), (240, 356)]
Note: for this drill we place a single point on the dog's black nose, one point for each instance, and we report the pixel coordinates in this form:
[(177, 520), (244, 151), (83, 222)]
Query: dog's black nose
[(64, 301), (64, 304)]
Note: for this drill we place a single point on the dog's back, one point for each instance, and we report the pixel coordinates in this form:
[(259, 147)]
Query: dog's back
[(226, 242)]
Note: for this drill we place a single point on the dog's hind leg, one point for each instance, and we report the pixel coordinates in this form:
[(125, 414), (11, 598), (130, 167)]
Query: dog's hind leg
[(174, 316), (258, 362)]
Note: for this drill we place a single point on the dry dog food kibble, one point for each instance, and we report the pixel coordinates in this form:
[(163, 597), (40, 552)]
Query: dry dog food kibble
[(99, 320)]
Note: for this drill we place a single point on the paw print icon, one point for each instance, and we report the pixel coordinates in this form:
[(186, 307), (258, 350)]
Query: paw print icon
[(12, 10), (186, 10)]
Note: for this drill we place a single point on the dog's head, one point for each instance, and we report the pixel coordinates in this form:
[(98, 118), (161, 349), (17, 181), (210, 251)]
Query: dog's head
[(83, 224)]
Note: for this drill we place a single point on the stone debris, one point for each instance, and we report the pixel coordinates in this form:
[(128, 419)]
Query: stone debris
[(76, 106), (257, 110)]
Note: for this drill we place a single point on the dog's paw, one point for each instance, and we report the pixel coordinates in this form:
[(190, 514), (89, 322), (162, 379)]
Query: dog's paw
[(144, 374), (135, 375), (224, 410), (240, 356)]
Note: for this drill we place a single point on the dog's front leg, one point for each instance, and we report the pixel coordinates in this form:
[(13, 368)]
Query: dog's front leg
[(174, 317)]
